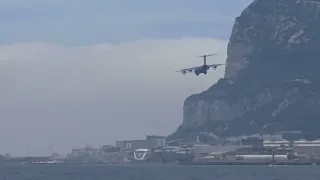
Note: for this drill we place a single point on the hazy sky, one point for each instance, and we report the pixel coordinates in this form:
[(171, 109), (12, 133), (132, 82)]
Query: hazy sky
[(82, 72)]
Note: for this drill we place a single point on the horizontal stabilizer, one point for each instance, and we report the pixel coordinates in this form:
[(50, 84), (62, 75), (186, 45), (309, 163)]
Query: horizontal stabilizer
[(207, 55)]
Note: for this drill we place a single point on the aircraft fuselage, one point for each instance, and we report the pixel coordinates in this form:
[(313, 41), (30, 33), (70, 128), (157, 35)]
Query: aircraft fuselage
[(201, 70)]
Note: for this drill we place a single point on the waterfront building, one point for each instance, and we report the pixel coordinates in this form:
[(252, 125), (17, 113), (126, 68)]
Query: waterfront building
[(255, 142), (85, 155), (301, 146), (153, 141)]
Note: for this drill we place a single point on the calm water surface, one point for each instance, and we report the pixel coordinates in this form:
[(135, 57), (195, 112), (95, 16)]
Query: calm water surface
[(157, 172)]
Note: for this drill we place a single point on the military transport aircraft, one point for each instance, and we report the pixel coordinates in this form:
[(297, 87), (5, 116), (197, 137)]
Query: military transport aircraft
[(200, 69)]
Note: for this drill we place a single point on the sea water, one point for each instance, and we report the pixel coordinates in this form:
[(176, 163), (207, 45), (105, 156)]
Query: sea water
[(156, 172)]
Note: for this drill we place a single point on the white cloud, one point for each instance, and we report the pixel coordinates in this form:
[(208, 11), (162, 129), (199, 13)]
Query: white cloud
[(71, 96)]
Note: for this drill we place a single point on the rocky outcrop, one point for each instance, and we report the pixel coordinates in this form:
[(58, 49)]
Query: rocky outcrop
[(276, 26), (272, 75)]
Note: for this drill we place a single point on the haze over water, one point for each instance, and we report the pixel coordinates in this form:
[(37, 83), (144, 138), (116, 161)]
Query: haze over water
[(92, 72)]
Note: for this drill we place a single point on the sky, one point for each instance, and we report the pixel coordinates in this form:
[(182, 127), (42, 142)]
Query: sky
[(95, 71)]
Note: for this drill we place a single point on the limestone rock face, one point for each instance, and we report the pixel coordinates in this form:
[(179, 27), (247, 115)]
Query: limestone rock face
[(272, 76), (276, 26)]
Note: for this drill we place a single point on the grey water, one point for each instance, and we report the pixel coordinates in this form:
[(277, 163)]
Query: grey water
[(156, 172)]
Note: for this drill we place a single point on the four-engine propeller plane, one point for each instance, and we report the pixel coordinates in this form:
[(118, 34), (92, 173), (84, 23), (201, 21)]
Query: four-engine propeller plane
[(200, 69)]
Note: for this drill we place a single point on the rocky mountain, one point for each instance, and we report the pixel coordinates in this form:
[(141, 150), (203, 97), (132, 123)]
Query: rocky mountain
[(272, 76)]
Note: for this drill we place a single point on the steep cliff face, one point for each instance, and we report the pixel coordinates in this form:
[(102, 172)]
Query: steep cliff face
[(275, 26), (272, 77)]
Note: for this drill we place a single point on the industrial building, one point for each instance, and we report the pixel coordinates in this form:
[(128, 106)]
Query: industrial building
[(84, 155), (104, 154), (252, 141), (128, 147), (205, 150), (150, 142), (301, 146), (290, 135)]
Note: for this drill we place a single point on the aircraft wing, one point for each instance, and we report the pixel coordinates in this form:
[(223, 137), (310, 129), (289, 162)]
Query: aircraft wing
[(215, 65), (187, 70)]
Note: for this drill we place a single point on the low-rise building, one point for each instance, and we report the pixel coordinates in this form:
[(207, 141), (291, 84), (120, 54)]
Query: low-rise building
[(127, 148), (150, 142), (124, 145), (85, 155), (111, 154), (291, 135), (301, 146), (203, 150), (255, 142), (155, 141)]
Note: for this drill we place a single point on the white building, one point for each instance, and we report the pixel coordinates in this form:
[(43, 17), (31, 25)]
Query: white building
[(301, 146), (86, 154)]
